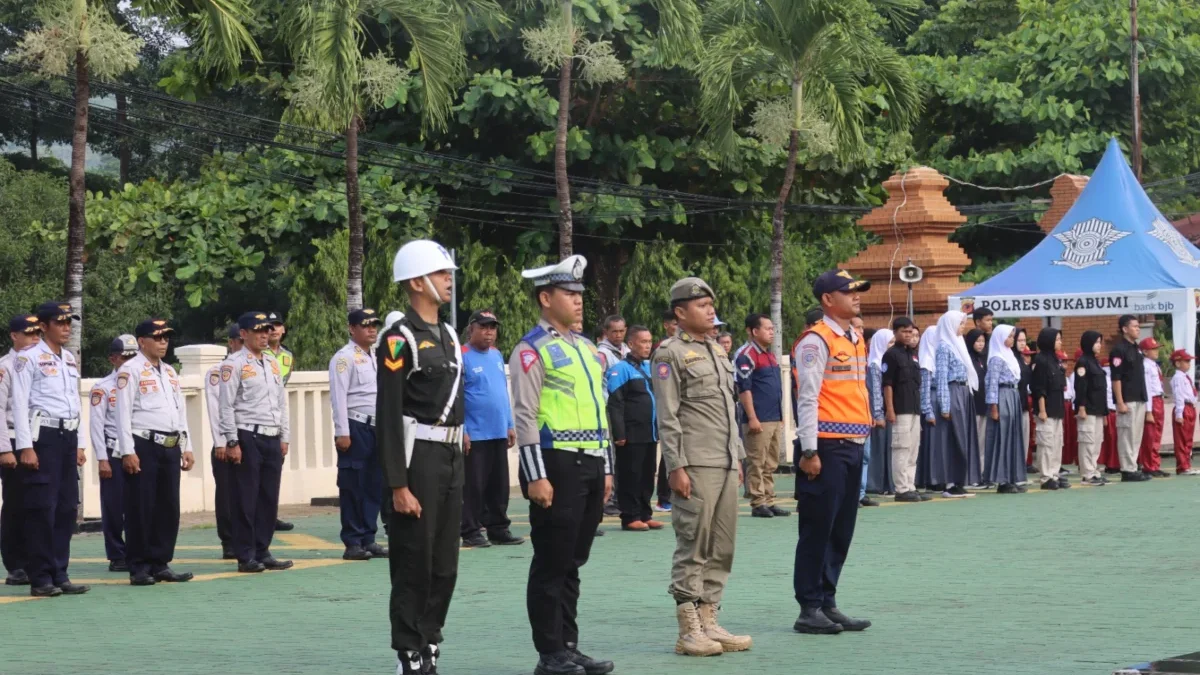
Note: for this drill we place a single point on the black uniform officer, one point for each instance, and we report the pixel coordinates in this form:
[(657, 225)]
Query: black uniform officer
[(419, 413)]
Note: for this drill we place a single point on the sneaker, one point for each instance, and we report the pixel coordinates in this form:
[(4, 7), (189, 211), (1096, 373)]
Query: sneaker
[(663, 507), (1050, 485), (925, 496), (951, 494), (958, 491), (1095, 481), (476, 540), (1063, 484), (975, 486), (1191, 472), (1104, 479), (1064, 471), (1159, 473), (1007, 489), (1133, 477), (908, 497)]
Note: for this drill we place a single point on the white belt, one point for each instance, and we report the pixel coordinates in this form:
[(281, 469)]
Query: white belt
[(165, 440), (260, 429), (361, 417), (428, 432), (66, 425)]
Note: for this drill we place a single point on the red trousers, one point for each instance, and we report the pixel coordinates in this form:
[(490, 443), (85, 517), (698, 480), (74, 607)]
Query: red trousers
[(1108, 449), (1148, 457), (1183, 433), (1070, 453)]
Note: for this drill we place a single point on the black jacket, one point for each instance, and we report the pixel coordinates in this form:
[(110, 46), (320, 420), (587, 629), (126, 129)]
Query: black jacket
[(631, 413), (1091, 386), (1049, 379), (979, 363)]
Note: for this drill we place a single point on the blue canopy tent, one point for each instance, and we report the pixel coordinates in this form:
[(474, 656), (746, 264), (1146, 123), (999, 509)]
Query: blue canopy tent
[(1112, 253)]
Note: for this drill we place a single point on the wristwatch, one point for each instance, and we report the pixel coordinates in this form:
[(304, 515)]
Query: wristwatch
[(809, 454), (231, 444)]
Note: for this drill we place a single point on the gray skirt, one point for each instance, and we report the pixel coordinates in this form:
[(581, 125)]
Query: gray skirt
[(879, 469), (954, 444), (1004, 454)]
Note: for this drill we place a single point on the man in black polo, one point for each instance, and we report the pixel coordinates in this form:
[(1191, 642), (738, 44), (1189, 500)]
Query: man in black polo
[(1129, 393), (902, 407)]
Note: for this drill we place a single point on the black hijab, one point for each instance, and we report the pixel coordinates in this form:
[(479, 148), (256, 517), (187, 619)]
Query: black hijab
[(1046, 354), (979, 362), (1086, 342)]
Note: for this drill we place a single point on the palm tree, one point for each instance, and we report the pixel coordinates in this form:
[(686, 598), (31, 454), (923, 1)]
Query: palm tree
[(558, 45), (83, 34), (828, 52), (337, 82)]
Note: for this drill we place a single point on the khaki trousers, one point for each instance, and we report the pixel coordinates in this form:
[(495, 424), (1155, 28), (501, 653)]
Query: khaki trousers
[(705, 532), (1129, 435), (762, 458), (906, 442), (1090, 433), (1049, 448)]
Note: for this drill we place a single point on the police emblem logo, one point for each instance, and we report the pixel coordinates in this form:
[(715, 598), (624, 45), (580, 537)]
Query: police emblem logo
[(528, 358), (663, 370), (260, 317), (122, 380), (1086, 243), (425, 344), (342, 365), (21, 361), (97, 397), (808, 355), (577, 270), (696, 290), (214, 378), (226, 373), (1167, 234)]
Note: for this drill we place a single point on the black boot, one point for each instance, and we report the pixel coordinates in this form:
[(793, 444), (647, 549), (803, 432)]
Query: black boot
[(409, 663), (590, 666), (429, 658), (558, 663), (17, 578), (835, 615), (813, 620)]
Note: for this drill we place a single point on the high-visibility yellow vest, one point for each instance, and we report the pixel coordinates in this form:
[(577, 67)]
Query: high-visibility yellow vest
[(571, 413)]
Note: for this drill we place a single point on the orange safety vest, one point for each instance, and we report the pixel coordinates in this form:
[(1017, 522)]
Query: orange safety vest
[(843, 407)]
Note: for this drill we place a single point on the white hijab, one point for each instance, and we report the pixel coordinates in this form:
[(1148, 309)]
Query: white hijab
[(947, 334), (879, 345), (997, 350), (927, 349)]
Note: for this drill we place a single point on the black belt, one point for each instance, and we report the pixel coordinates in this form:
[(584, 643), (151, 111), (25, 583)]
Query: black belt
[(962, 382), (1008, 386)]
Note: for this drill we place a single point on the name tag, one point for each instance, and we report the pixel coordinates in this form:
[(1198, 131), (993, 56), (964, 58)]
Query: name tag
[(841, 369)]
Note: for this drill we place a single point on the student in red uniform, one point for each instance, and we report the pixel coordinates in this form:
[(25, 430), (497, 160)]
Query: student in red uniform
[(1108, 449), (1183, 428), (1148, 452), (1070, 454)]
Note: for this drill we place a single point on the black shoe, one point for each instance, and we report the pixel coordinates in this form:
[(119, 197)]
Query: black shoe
[(356, 553), (170, 576), (251, 567), (476, 540), (283, 526), (812, 620), (779, 513), (590, 666), (867, 501), (1063, 484), (925, 497), (1133, 477), (599, 533), (1021, 489), (271, 563), (1050, 485), (761, 512), (1029, 469), (835, 615), (505, 538), (908, 497), (1159, 473), (69, 588), (1105, 479), (1147, 476), (50, 591), (376, 550), (1007, 489), (17, 578), (558, 663), (958, 490), (227, 553), (1112, 469), (429, 659), (410, 663), (118, 566), (141, 580), (611, 509)]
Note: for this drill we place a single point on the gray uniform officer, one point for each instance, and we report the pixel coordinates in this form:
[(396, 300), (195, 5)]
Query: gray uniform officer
[(221, 468), (102, 425), (24, 331), (254, 424)]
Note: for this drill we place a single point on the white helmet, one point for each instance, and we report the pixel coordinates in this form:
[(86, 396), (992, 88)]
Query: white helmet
[(420, 257)]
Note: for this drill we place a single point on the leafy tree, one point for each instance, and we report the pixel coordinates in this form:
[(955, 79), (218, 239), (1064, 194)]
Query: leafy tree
[(831, 57), (492, 280)]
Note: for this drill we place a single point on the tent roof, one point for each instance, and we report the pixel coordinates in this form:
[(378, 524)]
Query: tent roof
[(1113, 239)]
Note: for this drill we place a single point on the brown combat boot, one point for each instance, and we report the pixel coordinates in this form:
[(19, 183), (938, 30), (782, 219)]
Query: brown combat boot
[(728, 641), (692, 639)]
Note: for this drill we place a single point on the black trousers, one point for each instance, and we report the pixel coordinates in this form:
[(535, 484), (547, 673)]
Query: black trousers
[(635, 480), (664, 483), (222, 473), (562, 541), (12, 538), (152, 508), (255, 495), (51, 498), (423, 552), (827, 509), (485, 493), (112, 511)]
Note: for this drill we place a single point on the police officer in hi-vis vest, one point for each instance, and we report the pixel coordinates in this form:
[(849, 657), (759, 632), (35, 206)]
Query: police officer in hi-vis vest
[(833, 421), (565, 461), (419, 428)]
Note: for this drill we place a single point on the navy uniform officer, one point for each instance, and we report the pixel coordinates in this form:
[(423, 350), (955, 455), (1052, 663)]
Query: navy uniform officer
[(222, 470), (152, 441), (102, 425), (45, 404), (566, 461), (25, 331), (419, 408), (352, 381), (254, 424)]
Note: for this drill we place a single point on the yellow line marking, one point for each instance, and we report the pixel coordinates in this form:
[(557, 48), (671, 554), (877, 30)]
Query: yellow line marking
[(8, 599), (307, 541), (299, 565)]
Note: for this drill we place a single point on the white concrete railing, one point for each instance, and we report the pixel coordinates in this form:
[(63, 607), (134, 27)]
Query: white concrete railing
[(310, 469)]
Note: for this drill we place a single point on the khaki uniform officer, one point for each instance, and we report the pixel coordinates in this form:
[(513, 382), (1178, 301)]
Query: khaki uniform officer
[(698, 432)]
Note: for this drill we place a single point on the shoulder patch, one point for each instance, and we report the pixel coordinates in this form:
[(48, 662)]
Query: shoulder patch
[(122, 380), (1081, 371), (226, 373), (528, 358), (395, 344), (342, 365), (97, 397), (662, 370), (1116, 361), (883, 367), (21, 361), (214, 378), (808, 355)]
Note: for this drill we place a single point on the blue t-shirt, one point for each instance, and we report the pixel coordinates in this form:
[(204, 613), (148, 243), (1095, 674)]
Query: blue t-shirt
[(485, 386), (758, 373)]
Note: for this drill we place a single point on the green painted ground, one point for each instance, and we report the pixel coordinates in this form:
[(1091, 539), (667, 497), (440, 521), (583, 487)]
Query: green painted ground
[(1069, 583)]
